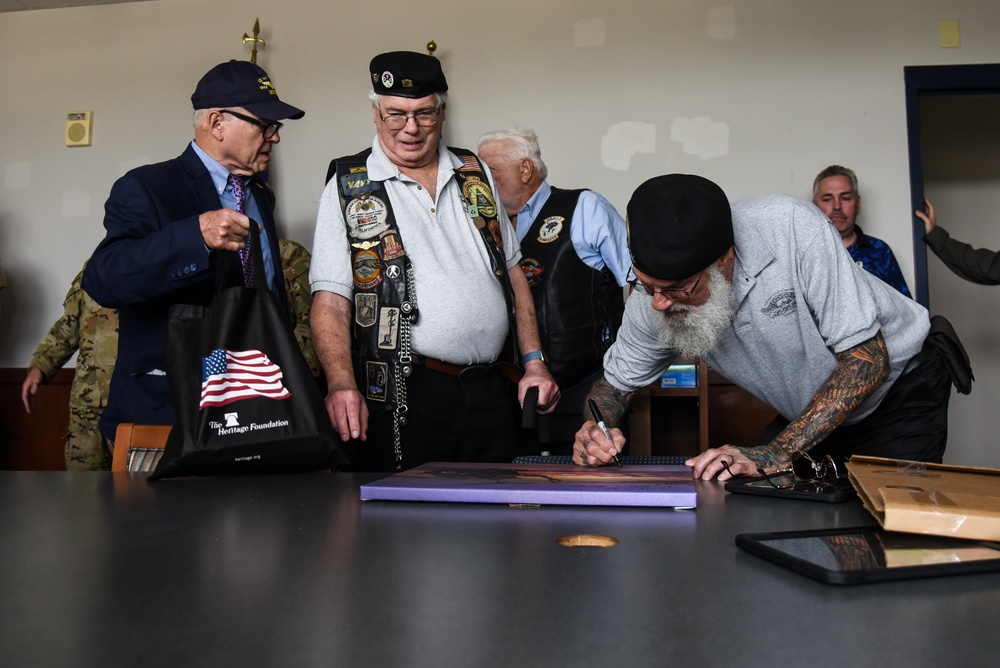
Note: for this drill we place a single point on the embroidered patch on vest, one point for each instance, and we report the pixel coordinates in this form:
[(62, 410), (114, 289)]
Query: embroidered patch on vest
[(388, 328), (779, 304), (469, 164), (365, 308), (550, 229), (494, 226), (356, 184), (367, 270), (480, 198), (392, 248), (532, 271), (367, 217), (377, 375)]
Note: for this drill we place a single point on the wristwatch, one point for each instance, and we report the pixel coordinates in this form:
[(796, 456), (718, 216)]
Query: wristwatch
[(533, 355)]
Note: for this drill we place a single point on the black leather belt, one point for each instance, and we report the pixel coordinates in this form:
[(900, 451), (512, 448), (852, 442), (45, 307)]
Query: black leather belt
[(470, 372)]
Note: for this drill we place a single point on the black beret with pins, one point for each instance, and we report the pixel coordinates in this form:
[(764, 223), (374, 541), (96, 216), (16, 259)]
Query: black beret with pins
[(407, 74)]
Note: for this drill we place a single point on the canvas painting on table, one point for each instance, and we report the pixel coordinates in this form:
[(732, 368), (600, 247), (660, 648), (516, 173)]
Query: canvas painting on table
[(539, 484)]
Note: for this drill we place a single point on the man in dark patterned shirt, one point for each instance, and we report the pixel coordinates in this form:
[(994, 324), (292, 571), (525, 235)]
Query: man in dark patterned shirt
[(835, 192)]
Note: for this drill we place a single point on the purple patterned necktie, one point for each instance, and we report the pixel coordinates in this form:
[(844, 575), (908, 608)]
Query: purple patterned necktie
[(246, 257)]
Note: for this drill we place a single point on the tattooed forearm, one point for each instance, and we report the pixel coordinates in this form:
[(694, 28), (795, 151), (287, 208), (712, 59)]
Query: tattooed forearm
[(612, 402), (859, 372), (767, 457)]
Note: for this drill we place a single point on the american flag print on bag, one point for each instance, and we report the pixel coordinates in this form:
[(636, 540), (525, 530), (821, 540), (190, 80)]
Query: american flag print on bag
[(233, 375)]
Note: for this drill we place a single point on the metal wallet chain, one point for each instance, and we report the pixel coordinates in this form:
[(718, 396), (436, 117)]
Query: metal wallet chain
[(404, 368)]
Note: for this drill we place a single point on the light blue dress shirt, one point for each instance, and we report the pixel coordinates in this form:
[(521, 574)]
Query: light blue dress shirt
[(597, 232), (220, 178)]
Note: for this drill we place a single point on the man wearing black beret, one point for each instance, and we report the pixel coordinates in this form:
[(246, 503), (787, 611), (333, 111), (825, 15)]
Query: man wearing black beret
[(170, 224), (764, 293), (422, 318)]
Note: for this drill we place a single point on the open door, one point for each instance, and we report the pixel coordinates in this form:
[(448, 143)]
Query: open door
[(922, 84), (953, 122)]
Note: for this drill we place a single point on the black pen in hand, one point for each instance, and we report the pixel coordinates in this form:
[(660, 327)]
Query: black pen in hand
[(599, 419)]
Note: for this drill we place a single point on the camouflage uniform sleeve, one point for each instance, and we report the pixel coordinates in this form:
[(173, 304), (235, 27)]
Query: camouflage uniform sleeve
[(64, 337), (295, 266), (89, 393)]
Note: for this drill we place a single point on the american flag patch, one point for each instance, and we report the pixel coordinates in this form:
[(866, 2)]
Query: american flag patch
[(469, 164), (231, 375)]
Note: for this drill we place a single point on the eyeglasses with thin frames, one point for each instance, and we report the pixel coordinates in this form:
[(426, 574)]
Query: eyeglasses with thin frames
[(425, 118), (672, 293), (267, 128), (805, 471)]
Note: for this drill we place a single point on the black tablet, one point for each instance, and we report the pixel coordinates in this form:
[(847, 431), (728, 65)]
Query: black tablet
[(788, 487), (869, 554)]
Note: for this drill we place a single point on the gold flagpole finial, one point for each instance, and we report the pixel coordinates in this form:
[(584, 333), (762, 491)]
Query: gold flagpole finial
[(431, 48), (255, 40)]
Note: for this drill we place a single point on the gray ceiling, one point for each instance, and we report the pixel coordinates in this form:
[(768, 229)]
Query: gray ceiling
[(24, 5)]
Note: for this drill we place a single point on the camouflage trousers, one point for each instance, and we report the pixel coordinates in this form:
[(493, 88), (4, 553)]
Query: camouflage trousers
[(85, 446)]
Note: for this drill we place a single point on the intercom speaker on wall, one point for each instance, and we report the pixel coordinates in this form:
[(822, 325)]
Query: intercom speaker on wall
[(79, 125)]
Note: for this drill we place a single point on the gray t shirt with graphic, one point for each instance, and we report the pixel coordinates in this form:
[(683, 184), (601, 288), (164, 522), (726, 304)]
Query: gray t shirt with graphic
[(800, 300)]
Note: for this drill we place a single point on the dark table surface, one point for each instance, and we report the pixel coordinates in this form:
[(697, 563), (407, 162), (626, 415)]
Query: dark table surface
[(101, 569)]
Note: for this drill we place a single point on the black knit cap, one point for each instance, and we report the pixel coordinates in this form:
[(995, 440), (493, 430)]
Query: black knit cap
[(678, 225), (407, 74), (239, 83)]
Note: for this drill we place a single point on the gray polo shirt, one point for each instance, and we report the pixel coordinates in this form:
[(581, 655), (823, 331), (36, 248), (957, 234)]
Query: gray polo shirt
[(462, 312), (800, 300)]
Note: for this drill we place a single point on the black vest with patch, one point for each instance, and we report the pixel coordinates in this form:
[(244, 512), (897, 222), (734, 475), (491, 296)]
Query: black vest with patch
[(380, 264), (579, 309)]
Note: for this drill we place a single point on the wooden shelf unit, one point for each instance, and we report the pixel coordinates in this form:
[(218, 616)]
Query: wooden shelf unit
[(689, 420), (676, 427)]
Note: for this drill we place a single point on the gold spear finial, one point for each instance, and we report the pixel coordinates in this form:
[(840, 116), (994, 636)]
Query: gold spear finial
[(256, 40)]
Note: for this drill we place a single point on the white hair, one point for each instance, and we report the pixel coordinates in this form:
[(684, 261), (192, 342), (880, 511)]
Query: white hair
[(201, 114), (694, 331), (518, 145)]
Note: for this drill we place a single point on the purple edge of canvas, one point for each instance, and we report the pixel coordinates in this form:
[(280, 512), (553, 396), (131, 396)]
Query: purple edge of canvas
[(398, 488)]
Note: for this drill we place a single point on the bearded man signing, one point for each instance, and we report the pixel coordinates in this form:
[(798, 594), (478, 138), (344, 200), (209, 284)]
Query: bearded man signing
[(764, 293)]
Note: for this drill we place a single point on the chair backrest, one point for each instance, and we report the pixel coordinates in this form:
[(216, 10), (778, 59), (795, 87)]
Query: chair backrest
[(138, 447)]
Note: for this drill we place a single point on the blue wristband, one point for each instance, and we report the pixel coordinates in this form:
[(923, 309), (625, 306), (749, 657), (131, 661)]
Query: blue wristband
[(533, 355)]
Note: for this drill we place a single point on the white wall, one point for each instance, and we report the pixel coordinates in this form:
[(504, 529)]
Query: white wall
[(758, 95)]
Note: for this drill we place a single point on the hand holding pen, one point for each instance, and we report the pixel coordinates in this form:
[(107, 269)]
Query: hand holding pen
[(599, 419)]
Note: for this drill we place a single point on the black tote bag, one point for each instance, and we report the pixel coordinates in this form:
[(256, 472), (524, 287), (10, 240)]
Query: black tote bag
[(243, 394)]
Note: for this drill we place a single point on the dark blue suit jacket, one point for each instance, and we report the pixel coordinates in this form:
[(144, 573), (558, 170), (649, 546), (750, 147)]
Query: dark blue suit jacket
[(153, 257)]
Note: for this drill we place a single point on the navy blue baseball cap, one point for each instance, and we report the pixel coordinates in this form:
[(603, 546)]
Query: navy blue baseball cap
[(239, 83), (678, 225), (407, 74)]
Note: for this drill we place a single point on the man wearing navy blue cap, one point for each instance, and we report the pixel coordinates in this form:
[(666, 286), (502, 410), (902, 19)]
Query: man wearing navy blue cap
[(764, 293), (420, 307), (170, 224)]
